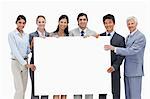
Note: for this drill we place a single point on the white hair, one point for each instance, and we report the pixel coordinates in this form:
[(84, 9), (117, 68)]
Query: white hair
[(132, 18)]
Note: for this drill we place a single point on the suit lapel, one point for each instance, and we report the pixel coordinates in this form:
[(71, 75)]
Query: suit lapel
[(46, 34), (36, 34), (113, 37), (130, 39), (87, 32), (78, 31), (103, 34)]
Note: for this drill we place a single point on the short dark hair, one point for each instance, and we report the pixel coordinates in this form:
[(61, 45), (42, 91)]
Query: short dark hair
[(109, 16), (39, 17), (21, 17), (82, 14)]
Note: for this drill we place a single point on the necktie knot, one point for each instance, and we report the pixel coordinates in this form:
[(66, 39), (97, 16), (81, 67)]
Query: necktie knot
[(82, 33), (108, 34)]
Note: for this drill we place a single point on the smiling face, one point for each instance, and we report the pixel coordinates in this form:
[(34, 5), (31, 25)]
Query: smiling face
[(82, 22), (63, 24), (109, 25), (131, 25), (41, 23), (20, 24)]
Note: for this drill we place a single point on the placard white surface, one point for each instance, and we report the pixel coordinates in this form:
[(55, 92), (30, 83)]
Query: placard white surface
[(71, 65)]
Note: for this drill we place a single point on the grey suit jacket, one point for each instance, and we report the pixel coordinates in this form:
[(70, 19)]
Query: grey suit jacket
[(31, 35), (76, 32), (134, 53)]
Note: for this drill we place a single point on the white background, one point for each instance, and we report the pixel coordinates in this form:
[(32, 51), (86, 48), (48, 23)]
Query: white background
[(95, 9)]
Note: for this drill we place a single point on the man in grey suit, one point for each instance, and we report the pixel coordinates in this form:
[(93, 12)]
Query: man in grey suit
[(134, 53), (116, 60), (84, 31)]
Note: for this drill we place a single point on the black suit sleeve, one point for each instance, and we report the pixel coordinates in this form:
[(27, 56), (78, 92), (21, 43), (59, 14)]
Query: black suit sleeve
[(30, 38), (116, 64)]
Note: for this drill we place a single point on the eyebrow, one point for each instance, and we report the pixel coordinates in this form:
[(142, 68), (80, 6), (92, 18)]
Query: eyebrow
[(83, 19), (22, 22)]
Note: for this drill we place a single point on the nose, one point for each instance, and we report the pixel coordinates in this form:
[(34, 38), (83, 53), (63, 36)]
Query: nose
[(22, 24)]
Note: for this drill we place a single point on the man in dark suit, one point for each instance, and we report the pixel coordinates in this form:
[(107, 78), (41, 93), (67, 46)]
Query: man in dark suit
[(40, 32), (116, 60)]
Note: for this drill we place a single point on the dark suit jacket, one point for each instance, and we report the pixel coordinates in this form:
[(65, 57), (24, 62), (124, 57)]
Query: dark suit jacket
[(116, 60), (31, 35)]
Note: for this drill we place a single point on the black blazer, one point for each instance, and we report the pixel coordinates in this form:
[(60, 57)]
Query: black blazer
[(116, 60), (31, 35), (117, 41)]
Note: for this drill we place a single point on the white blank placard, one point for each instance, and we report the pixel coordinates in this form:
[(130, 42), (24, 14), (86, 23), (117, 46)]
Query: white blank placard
[(72, 65)]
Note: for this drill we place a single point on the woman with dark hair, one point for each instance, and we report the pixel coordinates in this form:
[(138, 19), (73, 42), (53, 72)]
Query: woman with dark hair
[(40, 32), (61, 31), (62, 28), (20, 48)]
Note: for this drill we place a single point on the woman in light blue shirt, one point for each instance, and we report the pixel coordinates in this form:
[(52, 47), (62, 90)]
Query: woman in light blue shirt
[(19, 44)]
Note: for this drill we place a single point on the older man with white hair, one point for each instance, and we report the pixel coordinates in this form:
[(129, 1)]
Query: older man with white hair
[(134, 54)]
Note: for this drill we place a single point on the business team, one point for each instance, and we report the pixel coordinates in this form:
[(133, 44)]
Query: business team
[(133, 51)]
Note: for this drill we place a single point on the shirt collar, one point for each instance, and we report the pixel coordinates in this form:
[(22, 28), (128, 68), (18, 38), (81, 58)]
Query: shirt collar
[(111, 33), (82, 30), (41, 34), (132, 33), (18, 33)]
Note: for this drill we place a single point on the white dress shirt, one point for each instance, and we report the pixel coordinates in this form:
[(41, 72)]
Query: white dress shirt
[(111, 34)]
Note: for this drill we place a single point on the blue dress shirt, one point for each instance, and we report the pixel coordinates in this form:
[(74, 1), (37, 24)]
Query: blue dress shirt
[(19, 45)]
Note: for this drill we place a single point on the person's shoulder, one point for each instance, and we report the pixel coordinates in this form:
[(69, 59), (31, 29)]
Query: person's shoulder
[(118, 35), (52, 34), (103, 34), (91, 31), (47, 34), (140, 34), (73, 30), (33, 33), (12, 33)]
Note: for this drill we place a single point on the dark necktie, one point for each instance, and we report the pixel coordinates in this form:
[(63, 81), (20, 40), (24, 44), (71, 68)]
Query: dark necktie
[(82, 33), (108, 34)]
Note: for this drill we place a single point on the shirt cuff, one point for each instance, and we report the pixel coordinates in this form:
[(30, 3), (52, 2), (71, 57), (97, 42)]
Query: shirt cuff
[(24, 63), (115, 49)]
